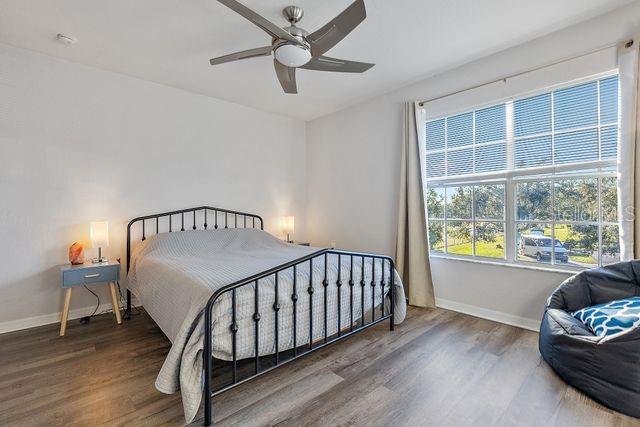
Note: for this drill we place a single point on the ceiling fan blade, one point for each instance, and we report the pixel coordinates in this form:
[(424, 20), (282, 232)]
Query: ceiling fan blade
[(287, 77), (330, 34), (324, 63), (266, 25), (245, 54)]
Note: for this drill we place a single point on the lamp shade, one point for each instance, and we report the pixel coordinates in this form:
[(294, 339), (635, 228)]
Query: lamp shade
[(288, 224), (99, 233)]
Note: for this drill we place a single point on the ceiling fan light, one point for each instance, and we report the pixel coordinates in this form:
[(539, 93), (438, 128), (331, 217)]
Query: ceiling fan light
[(292, 56)]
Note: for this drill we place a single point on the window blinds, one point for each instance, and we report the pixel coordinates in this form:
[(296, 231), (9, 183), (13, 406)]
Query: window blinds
[(569, 125)]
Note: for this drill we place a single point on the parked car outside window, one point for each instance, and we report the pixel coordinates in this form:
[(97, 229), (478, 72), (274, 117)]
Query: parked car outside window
[(539, 247)]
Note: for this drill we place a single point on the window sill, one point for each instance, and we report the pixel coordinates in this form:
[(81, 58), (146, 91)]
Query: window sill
[(519, 265)]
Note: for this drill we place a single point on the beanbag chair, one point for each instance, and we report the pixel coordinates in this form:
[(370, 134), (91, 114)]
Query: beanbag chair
[(605, 367)]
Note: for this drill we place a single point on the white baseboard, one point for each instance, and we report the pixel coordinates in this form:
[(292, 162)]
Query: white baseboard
[(484, 313), (472, 310), (46, 319)]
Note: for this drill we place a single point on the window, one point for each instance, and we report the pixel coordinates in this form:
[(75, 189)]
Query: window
[(467, 220), (529, 180), (567, 210)]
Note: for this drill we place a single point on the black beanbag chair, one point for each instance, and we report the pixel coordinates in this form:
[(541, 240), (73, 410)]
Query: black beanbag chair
[(608, 371)]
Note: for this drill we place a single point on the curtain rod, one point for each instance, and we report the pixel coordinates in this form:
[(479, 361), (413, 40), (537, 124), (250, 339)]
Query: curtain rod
[(510, 76)]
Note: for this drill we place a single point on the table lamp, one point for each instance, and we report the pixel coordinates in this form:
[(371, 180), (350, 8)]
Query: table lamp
[(288, 226), (99, 233)]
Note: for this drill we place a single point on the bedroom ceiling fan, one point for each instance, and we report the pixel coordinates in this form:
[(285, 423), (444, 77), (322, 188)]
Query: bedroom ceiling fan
[(293, 47)]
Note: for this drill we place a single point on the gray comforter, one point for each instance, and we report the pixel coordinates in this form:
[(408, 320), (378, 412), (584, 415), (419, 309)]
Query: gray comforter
[(174, 274)]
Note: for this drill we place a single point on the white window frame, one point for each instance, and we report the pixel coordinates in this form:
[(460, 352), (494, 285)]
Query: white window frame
[(511, 176), (473, 220)]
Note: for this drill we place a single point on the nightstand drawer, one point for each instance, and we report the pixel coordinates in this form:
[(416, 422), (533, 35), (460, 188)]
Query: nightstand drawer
[(85, 276)]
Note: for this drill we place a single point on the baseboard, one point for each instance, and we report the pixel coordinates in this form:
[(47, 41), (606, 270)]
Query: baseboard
[(472, 310), (47, 319), (496, 316)]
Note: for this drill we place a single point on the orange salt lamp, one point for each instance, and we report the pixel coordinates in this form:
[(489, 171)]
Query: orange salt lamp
[(76, 253)]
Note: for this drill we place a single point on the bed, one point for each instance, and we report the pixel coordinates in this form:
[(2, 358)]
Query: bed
[(225, 293)]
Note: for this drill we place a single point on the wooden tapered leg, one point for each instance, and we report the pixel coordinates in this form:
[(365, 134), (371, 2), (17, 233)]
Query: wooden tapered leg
[(65, 312), (114, 302)]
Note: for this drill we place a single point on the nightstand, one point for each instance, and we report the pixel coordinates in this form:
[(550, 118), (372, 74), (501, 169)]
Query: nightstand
[(89, 274)]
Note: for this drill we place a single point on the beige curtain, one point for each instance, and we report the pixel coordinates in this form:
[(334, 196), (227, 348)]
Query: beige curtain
[(629, 150), (412, 250)]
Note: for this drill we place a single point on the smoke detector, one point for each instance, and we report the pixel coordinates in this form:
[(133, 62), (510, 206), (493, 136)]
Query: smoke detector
[(66, 39)]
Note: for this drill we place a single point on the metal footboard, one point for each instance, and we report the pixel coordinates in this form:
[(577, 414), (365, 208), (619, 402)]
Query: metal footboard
[(385, 263)]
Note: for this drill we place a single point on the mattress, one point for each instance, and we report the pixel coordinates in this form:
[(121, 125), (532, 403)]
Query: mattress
[(174, 274)]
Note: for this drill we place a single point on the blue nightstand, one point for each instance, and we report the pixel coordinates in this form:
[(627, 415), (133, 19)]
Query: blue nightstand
[(89, 274)]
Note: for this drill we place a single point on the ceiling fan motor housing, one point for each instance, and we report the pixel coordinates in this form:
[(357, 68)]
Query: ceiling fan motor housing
[(291, 54), (298, 32)]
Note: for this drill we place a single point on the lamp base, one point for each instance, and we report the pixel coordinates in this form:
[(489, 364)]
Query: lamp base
[(100, 258)]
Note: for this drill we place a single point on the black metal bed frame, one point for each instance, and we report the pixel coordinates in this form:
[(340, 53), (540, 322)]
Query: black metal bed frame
[(298, 350)]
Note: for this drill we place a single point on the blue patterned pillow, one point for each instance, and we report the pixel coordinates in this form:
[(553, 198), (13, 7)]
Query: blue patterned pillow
[(612, 319)]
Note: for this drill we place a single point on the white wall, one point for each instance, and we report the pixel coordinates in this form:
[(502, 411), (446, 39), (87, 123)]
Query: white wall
[(79, 144), (353, 171)]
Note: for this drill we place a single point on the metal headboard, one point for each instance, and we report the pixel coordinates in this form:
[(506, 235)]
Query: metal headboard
[(221, 218)]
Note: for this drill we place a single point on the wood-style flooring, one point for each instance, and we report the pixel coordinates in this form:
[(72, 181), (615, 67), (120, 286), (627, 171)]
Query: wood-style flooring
[(437, 368)]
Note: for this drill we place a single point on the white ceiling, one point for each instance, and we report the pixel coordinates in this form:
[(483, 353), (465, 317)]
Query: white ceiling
[(171, 41)]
